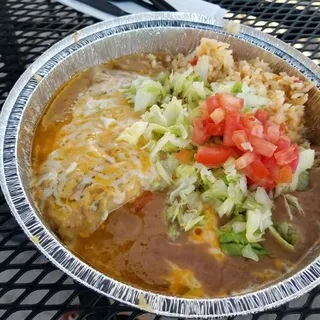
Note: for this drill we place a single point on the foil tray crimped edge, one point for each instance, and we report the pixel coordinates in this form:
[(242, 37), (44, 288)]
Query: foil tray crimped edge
[(49, 245)]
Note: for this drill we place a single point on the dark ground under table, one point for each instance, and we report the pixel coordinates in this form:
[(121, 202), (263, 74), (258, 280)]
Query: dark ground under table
[(30, 286)]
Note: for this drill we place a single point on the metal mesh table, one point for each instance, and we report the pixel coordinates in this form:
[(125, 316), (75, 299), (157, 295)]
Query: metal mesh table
[(32, 288)]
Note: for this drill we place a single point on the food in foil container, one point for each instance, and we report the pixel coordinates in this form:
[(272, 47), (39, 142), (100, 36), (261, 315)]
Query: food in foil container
[(184, 175)]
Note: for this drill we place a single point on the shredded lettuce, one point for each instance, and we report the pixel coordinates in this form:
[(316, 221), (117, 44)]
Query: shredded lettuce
[(190, 218), (165, 169), (292, 205), (224, 87), (257, 223), (194, 201), (180, 81), (194, 93), (174, 112), (248, 252), (226, 207), (185, 171), (236, 243), (237, 87), (227, 191), (133, 133), (168, 143), (174, 211), (162, 77), (239, 227), (206, 176), (262, 198), (143, 93), (155, 116), (306, 160), (163, 173), (303, 181), (285, 234)]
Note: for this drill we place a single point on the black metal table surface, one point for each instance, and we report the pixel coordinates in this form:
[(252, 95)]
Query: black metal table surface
[(30, 286)]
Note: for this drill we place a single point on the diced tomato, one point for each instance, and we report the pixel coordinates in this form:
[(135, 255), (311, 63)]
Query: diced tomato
[(273, 132), (275, 173), (212, 156), (262, 115), (294, 164), (230, 102), (249, 121), (204, 110), (199, 135), (259, 169), (244, 160), (205, 122), (286, 174), (239, 137), (257, 130), (232, 120), (143, 200), (185, 156), (213, 103), (240, 126), (237, 152), (261, 146), (218, 115), (283, 142), (266, 182), (286, 155), (194, 61), (273, 168), (250, 182), (213, 129)]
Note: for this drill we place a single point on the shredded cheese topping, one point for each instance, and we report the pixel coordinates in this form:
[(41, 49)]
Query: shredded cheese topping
[(92, 172)]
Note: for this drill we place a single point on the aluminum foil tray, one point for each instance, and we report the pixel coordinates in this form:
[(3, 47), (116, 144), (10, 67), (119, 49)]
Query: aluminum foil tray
[(173, 32)]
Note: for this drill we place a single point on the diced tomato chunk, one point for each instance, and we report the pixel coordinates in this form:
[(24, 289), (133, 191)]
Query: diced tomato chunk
[(237, 152), (204, 110), (218, 115), (239, 137), (257, 130), (185, 156), (283, 142), (240, 126), (249, 121), (286, 174), (143, 200), (213, 103), (244, 160), (272, 133), (262, 115), (273, 168), (212, 156), (261, 146), (231, 123), (213, 129), (259, 169), (266, 182), (294, 164), (199, 135), (250, 182), (286, 155), (194, 61), (230, 102)]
